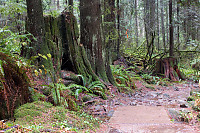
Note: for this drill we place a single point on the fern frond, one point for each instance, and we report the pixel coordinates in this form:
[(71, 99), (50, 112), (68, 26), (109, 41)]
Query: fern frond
[(76, 86), (96, 83)]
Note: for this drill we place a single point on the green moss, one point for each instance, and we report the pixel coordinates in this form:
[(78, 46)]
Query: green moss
[(32, 109)]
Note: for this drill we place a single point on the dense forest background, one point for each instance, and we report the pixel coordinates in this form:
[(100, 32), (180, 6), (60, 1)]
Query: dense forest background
[(58, 50)]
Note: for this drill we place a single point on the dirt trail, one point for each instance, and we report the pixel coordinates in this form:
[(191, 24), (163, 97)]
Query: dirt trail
[(152, 111), (144, 119)]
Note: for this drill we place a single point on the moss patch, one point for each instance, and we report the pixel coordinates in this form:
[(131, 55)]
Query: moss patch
[(43, 115)]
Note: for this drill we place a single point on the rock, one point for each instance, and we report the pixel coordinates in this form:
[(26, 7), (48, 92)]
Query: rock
[(185, 85), (167, 88), (124, 95), (186, 111), (183, 106), (113, 130), (196, 85), (166, 96), (158, 88), (174, 113), (176, 89), (98, 108), (133, 103), (110, 113), (86, 98)]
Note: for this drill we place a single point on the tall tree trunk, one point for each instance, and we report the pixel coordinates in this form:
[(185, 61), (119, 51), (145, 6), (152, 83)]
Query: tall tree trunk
[(162, 24), (149, 21), (118, 28), (58, 4), (167, 24), (90, 15), (136, 23), (171, 44), (35, 25), (178, 28), (158, 26), (110, 32)]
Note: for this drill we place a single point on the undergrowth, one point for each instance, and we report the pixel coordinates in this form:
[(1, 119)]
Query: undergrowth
[(123, 77), (42, 116)]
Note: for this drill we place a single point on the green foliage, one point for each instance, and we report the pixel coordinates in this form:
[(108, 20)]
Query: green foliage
[(90, 87), (186, 116), (56, 91), (154, 79), (77, 89), (11, 8), (39, 115), (123, 77), (36, 95), (190, 73), (11, 42)]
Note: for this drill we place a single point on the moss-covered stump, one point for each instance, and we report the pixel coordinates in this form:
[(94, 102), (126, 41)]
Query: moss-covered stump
[(168, 67), (68, 54), (14, 85)]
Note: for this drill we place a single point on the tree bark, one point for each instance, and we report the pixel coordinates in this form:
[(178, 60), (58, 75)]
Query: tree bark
[(162, 24), (91, 36), (158, 26), (178, 28), (118, 28), (35, 25), (136, 23), (110, 33), (171, 44)]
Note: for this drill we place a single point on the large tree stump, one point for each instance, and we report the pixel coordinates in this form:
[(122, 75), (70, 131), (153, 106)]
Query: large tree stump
[(168, 67)]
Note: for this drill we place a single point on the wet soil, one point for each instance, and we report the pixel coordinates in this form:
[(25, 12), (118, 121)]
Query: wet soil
[(147, 110)]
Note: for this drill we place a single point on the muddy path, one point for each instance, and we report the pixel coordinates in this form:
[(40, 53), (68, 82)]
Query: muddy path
[(149, 110)]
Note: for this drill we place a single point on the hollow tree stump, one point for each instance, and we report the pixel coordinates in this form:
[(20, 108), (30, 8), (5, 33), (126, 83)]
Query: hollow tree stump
[(168, 67)]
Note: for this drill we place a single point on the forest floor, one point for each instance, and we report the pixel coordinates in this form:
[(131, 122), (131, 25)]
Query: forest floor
[(159, 110), (147, 109)]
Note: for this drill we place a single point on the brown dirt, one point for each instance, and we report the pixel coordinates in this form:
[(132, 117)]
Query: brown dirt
[(146, 110)]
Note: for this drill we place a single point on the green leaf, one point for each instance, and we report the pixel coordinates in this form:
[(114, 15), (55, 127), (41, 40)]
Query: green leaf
[(77, 92), (1, 67)]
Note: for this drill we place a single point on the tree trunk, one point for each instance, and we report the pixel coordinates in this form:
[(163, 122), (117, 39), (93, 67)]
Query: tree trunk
[(168, 67), (167, 25), (178, 28), (62, 33), (162, 24), (149, 10), (171, 44), (90, 18), (35, 25), (136, 23), (118, 28), (110, 32), (158, 26)]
